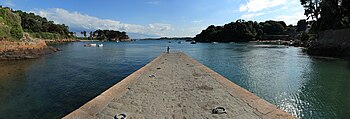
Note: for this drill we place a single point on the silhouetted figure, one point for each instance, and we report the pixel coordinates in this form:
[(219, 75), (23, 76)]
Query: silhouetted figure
[(167, 50)]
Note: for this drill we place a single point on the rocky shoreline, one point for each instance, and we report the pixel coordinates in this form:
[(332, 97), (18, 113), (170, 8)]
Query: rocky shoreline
[(328, 50), (24, 50)]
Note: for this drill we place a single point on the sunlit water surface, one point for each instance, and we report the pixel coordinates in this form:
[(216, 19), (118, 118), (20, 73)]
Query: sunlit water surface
[(54, 85)]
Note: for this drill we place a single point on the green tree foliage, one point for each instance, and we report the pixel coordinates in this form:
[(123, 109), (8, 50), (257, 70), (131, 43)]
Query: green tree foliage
[(14, 23), (110, 35), (302, 25), (83, 33), (241, 31), (38, 25), (91, 35), (274, 28), (328, 14), (311, 7), (304, 37), (10, 25)]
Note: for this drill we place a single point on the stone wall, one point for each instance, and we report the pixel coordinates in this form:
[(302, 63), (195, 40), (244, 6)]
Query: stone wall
[(332, 43), (335, 37)]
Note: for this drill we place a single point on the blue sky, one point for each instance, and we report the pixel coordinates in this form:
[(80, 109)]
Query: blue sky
[(158, 17)]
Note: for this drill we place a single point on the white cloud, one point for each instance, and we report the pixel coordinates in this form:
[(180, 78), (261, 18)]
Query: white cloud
[(78, 21), (280, 10), (291, 19), (258, 5), (249, 16)]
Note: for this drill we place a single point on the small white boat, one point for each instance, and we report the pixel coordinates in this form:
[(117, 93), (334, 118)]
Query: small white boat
[(93, 45)]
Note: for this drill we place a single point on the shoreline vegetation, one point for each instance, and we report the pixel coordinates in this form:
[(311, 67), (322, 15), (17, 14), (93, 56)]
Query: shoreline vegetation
[(26, 35), (268, 32), (105, 35), (325, 32)]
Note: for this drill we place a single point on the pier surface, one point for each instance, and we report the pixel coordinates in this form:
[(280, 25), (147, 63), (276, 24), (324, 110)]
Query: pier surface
[(174, 86)]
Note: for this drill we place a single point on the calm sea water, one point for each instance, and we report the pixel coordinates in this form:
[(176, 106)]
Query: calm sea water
[(54, 85)]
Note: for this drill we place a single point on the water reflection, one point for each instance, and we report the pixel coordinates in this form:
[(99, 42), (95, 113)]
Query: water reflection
[(325, 93), (301, 85), (52, 86), (13, 83)]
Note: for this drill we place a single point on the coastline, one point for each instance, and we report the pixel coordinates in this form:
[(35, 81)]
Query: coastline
[(34, 48), (24, 50), (58, 41)]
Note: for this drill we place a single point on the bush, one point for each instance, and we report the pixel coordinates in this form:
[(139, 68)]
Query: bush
[(304, 37), (10, 24), (46, 35)]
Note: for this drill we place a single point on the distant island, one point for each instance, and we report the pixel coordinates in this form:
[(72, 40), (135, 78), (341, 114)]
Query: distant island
[(106, 35)]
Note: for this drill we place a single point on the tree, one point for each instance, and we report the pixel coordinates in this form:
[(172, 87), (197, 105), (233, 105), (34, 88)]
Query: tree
[(302, 25), (41, 27), (91, 35), (241, 31), (259, 33), (273, 28), (110, 35), (331, 16), (346, 10), (304, 37), (84, 32), (312, 9), (328, 14)]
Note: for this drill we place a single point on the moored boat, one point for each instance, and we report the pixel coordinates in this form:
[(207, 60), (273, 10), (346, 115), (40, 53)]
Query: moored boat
[(193, 42), (93, 45)]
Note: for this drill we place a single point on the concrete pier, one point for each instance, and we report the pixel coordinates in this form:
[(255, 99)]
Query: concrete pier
[(175, 86)]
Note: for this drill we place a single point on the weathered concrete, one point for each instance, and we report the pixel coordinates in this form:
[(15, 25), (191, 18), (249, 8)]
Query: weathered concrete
[(175, 86)]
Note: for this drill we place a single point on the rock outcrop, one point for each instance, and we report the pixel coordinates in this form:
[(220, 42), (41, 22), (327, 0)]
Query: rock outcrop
[(24, 50)]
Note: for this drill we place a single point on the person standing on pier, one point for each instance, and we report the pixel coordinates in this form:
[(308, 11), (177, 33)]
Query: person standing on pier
[(167, 50)]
